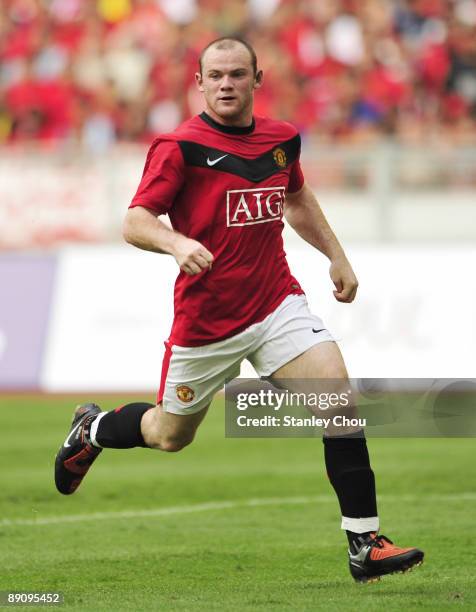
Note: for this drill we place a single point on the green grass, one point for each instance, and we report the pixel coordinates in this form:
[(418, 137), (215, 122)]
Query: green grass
[(280, 556)]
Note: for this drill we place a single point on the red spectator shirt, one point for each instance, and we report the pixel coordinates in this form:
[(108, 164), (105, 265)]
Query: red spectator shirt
[(225, 187)]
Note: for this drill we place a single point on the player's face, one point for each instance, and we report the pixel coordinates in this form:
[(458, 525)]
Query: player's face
[(227, 82)]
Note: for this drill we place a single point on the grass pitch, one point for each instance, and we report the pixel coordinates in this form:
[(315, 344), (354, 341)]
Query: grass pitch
[(226, 524)]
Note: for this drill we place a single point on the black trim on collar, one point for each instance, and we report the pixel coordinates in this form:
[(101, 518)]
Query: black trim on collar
[(227, 129)]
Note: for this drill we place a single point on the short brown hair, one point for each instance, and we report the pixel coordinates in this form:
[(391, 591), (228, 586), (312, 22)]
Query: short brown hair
[(226, 42)]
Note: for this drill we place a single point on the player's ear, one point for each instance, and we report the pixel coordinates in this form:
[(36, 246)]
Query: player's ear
[(199, 81), (258, 79)]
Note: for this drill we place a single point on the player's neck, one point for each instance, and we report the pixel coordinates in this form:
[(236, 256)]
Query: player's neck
[(244, 121), (227, 129)]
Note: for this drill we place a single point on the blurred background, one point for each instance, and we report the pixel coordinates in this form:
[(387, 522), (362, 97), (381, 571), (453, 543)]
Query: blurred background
[(384, 95)]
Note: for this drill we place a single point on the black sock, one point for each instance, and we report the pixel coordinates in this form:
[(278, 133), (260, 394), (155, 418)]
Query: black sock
[(348, 468), (356, 539), (120, 428)]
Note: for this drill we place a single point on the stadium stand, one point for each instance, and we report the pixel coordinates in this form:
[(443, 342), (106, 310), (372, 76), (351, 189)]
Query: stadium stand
[(350, 71)]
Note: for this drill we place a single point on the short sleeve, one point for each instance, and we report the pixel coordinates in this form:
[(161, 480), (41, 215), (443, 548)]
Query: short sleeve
[(296, 177), (162, 178)]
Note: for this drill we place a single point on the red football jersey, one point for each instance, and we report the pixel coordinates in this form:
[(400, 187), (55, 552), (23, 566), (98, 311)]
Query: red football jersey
[(225, 187)]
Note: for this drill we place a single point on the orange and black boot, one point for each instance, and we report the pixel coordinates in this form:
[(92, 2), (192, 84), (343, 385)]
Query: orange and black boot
[(77, 454), (375, 555)]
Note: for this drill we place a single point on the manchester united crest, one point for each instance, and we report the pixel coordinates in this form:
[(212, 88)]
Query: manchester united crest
[(185, 393), (280, 157)]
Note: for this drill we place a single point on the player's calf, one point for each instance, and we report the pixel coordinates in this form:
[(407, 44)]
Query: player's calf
[(168, 431), (171, 445)]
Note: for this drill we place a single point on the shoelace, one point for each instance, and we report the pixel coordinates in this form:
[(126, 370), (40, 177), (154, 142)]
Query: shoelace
[(377, 541)]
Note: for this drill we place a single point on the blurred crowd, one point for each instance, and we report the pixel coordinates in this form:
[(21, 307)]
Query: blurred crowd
[(102, 71)]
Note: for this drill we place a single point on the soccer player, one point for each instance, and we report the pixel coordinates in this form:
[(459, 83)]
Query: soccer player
[(226, 179)]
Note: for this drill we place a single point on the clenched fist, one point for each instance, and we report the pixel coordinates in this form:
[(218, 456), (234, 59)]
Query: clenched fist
[(191, 256), (344, 279)]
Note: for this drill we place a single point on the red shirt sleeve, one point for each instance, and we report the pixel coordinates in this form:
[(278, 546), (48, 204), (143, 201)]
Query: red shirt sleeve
[(162, 178), (296, 177)]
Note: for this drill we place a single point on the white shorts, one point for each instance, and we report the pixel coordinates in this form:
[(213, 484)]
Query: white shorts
[(191, 375)]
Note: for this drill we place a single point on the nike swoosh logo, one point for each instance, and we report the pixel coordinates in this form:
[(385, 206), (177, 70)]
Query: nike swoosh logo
[(215, 161), (66, 443), (316, 331)]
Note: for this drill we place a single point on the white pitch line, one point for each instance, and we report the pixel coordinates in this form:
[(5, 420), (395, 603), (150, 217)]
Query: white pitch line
[(223, 505), (167, 511)]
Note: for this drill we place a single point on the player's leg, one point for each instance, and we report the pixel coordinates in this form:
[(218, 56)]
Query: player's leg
[(137, 424), (190, 378), (348, 467)]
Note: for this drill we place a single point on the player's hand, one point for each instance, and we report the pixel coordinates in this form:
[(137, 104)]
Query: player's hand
[(344, 279), (191, 256)]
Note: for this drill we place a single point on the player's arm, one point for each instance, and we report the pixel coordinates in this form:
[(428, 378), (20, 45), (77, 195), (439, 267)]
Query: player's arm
[(144, 230), (304, 215)]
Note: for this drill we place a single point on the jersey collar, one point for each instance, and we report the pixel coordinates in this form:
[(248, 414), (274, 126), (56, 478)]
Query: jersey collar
[(227, 129)]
